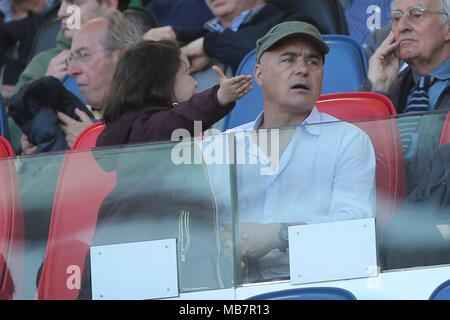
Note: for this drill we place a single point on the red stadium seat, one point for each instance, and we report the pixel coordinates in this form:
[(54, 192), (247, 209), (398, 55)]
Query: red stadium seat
[(390, 172), (445, 136), (88, 137), (11, 227), (81, 188), (6, 149), (356, 105)]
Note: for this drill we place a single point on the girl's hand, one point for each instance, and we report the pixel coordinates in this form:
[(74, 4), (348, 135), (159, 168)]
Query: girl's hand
[(232, 89)]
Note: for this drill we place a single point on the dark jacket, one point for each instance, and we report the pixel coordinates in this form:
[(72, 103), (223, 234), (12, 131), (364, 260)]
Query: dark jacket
[(403, 86), (231, 47), (34, 110), (412, 239), (155, 123), (430, 126), (401, 89), (434, 185)]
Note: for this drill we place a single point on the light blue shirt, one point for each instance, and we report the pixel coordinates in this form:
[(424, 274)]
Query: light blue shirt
[(326, 173), (216, 26)]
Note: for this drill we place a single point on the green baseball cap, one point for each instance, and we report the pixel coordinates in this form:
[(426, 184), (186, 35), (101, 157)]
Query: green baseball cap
[(288, 29)]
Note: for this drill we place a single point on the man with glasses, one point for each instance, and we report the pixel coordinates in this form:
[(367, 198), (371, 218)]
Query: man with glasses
[(92, 61), (51, 62), (420, 37)]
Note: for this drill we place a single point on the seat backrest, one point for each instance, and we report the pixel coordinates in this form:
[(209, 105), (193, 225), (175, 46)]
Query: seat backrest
[(249, 106), (4, 128), (11, 226), (314, 293), (356, 105), (88, 137), (329, 14), (82, 186), (390, 170), (442, 292), (346, 60), (141, 17), (445, 136), (45, 37)]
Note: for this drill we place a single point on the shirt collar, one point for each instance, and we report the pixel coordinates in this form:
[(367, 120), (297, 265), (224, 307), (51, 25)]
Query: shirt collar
[(441, 73), (215, 25), (314, 117)]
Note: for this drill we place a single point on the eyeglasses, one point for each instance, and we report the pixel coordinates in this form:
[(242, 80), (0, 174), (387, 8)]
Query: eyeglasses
[(82, 56), (414, 13)]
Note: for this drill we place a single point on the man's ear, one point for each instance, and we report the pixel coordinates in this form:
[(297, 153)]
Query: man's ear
[(116, 54), (258, 70)]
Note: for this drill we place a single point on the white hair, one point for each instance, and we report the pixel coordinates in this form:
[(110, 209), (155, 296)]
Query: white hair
[(445, 4)]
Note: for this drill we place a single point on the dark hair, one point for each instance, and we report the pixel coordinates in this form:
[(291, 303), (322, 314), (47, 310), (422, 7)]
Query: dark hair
[(122, 5), (144, 76)]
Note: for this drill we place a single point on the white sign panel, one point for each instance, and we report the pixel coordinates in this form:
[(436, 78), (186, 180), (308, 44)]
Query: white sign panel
[(332, 251), (134, 271)]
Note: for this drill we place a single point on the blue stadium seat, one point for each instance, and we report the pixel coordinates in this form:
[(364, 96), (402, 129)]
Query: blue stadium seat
[(4, 128), (142, 17), (45, 37), (442, 292), (317, 293), (346, 60)]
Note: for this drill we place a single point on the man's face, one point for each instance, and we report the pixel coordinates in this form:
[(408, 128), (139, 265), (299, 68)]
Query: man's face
[(291, 76), (229, 8), (87, 10), (92, 64), (421, 40)]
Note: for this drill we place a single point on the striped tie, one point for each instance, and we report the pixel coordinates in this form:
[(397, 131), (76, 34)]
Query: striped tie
[(419, 102)]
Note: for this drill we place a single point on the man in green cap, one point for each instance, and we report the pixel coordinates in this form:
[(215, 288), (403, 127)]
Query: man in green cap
[(308, 173), (290, 71)]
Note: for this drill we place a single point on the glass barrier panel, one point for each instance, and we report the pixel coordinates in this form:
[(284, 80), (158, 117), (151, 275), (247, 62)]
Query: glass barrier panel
[(340, 171), (113, 196), (227, 200)]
